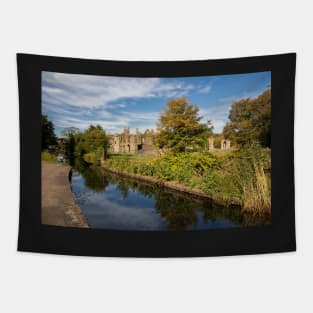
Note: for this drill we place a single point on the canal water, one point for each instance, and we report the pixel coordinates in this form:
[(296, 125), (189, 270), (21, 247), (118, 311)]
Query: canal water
[(110, 201)]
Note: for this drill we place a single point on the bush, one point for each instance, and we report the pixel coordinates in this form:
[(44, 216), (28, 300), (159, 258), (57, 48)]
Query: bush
[(94, 156), (179, 167), (90, 157), (46, 156), (243, 174)]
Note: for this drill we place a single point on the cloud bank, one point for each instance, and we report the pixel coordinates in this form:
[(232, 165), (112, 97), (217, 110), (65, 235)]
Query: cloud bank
[(86, 99), (118, 102)]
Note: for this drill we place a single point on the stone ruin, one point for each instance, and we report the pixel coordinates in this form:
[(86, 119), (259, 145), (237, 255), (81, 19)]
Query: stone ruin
[(225, 144), (137, 143)]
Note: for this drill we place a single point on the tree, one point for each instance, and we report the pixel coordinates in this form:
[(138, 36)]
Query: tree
[(149, 132), (68, 131), (179, 127), (48, 137), (94, 140), (250, 120)]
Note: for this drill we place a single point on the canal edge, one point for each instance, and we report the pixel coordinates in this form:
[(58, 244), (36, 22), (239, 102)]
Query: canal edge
[(176, 187), (58, 206)]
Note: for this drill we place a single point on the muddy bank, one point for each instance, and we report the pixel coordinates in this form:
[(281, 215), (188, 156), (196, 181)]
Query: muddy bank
[(57, 204)]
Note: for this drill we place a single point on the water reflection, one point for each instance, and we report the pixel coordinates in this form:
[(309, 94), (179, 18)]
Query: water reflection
[(113, 202), (92, 174)]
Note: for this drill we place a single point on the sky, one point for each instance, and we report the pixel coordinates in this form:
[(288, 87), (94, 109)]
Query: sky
[(118, 102)]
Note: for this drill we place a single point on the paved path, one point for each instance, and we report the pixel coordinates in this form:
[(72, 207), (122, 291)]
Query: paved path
[(57, 204)]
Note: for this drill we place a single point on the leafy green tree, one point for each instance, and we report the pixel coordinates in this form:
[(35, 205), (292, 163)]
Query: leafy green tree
[(48, 137), (179, 127), (67, 131), (250, 120), (93, 141), (95, 137)]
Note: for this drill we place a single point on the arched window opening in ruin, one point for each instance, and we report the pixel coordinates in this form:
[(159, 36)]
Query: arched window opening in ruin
[(128, 148)]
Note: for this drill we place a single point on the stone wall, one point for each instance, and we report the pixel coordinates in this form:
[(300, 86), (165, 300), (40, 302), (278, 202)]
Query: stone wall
[(225, 144), (139, 143), (132, 143)]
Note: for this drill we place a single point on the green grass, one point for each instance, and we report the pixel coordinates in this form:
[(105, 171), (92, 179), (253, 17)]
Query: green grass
[(46, 156), (221, 153), (130, 156)]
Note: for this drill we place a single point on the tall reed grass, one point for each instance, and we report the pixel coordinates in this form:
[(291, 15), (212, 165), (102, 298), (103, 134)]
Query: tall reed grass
[(254, 179)]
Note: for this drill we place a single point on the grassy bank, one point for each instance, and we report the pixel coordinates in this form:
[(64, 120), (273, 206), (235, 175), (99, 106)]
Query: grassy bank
[(46, 156), (242, 175)]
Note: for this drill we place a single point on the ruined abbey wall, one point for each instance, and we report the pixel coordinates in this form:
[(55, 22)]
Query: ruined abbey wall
[(139, 143), (131, 143), (225, 144)]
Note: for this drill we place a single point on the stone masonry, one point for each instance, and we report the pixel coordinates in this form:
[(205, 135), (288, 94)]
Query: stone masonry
[(137, 143)]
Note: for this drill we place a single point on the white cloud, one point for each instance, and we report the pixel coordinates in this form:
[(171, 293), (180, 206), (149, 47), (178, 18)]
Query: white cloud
[(82, 100), (141, 116), (89, 91), (205, 89), (218, 115), (113, 126), (243, 95)]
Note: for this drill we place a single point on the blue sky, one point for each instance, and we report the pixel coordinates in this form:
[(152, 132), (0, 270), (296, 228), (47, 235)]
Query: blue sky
[(118, 102)]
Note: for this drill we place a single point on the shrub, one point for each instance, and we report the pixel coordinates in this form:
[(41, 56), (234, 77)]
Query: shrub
[(180, 167), (46, 156), (243, 174)]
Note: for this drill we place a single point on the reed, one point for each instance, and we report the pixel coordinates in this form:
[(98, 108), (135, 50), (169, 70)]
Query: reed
[(253, 178), (256, 192)]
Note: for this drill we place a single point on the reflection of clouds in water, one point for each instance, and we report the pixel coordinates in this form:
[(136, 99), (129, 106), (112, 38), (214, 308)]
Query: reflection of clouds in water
[(123, 204), (115, 215), (110, 210)]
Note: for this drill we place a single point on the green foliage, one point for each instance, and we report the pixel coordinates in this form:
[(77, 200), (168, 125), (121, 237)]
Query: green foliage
[(179, 167), (90, 157), (89, 145), (179, 128), (46, 156), (220, 183), (94, 138), (93, 175), (94, 156), (48, 137), (243, 175), (252, 173), (250, 120)]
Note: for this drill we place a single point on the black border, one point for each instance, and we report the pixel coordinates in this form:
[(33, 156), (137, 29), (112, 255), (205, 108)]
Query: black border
[(277, 237)]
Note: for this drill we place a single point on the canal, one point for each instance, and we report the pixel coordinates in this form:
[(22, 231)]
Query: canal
[(110, 201)]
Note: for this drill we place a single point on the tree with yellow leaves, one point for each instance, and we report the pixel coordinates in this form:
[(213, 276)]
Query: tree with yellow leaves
[(179, 128)]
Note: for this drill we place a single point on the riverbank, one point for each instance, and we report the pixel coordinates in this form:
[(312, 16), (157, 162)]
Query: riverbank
[(176, 186), (57, 204), (240, 177)]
